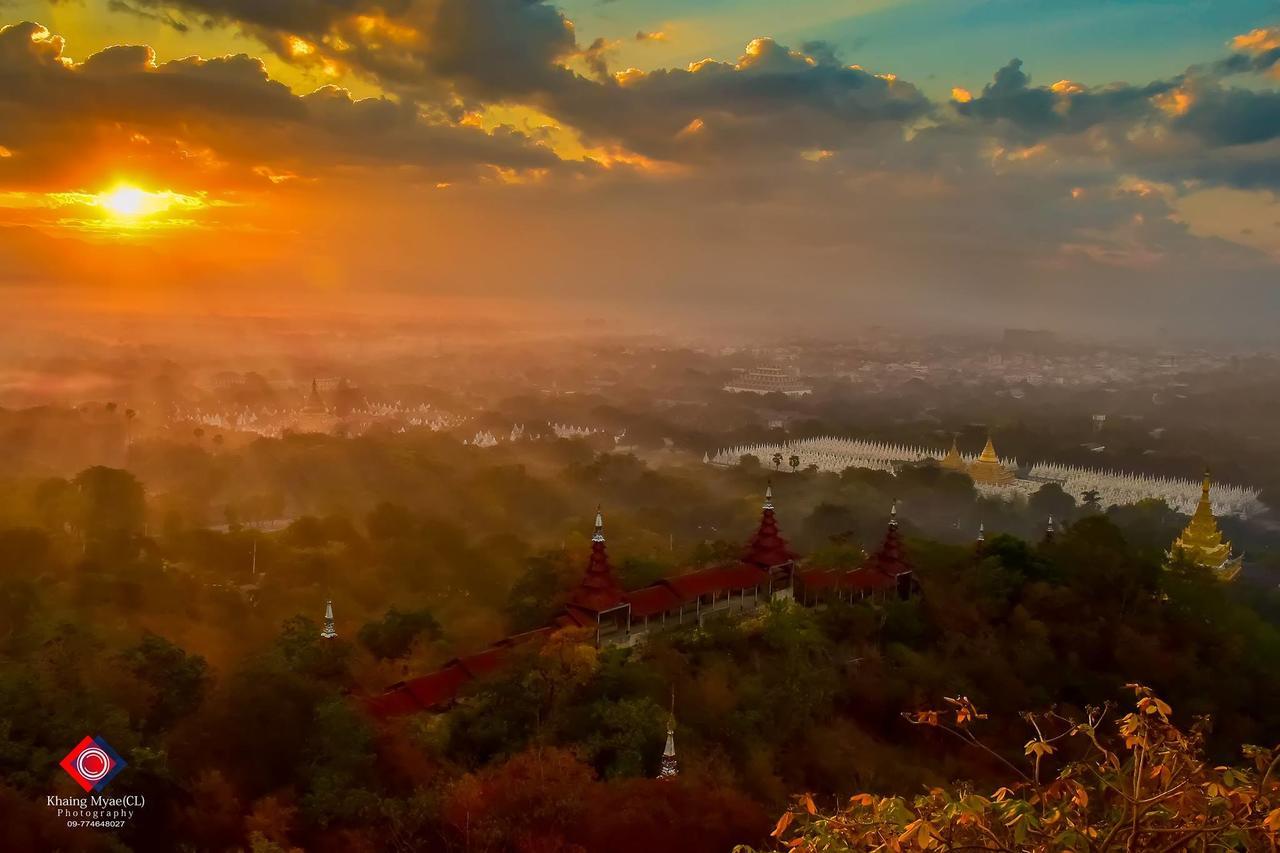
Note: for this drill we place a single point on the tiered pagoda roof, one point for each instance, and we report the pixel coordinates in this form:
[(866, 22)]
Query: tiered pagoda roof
[(600, 590), (1202, 542), (767, 548), (890, 558)]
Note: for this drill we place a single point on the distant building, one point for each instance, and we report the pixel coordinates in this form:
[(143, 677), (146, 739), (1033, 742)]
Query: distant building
[(768, 380)]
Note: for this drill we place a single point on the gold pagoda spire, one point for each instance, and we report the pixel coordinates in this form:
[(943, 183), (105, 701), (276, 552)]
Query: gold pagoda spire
[(988, 469), (953, 461), (1201, 541)]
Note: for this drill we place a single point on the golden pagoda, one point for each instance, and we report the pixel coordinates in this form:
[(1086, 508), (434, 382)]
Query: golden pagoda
[(988, 469), (1202, 543), (953, 461)]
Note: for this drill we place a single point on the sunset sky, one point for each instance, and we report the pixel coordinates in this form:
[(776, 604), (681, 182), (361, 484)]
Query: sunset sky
[(1097, 164)]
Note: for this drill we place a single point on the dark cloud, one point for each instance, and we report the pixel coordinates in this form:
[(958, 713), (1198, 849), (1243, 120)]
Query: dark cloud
[(517, 51), (1232, 116), (1031, 112), (488, 49), (160, 17), (51, 110), (771, 99)]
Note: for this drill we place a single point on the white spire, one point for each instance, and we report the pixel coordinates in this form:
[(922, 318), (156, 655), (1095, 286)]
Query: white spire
[(982, 531), (599, 534), (893, 513), (328, 632), (768, 496), (669, 768)]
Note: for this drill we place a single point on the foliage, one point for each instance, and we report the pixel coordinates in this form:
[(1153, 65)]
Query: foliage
[(394, 634), (1090, 784)]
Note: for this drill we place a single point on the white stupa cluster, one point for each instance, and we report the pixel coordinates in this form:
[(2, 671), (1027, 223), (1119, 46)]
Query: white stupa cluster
[(485, 438), (272, 422), (1119, 488), (1114, 488), (830, 453), (570, 431)]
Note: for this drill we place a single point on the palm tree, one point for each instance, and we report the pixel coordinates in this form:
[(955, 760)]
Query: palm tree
[(794, 462), (777, 461)]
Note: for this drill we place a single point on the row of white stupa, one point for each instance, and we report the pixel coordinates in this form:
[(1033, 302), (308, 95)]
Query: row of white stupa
[(485, 438), (833, 454)]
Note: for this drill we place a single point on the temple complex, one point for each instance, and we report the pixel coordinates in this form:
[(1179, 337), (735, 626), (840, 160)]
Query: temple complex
[(768, 380), (997, 477), (1201, 541), (599, 606)]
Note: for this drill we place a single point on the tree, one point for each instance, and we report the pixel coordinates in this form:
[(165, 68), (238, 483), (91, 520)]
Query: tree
[(174, 681), (1051, 500), (1147, 786), (394, 634), (777, 461), (1091, 500), (111, 503)]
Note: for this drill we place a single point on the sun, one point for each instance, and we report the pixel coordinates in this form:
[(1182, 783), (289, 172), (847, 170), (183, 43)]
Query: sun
[(129, 202)]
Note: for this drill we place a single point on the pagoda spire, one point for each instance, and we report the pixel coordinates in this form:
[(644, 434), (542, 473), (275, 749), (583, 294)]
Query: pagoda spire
[(328, 632), (988, 469), (982, 532), (1050, 531), (670, 768), (953, 461), (1202, 542)]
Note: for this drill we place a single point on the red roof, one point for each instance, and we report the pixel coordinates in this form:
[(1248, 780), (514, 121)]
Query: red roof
[(396, 702), (817, 578), (657, 598), (720, 579), (439, 688), (485, 662), (867, 579)]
